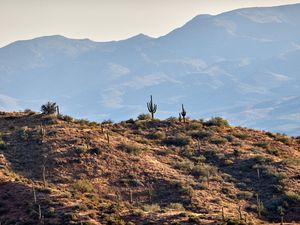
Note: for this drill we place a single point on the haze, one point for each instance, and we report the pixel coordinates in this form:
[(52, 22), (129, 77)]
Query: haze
[(101, 20)]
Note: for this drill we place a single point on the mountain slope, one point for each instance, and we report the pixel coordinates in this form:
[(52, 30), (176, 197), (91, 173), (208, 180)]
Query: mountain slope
[(146, 172), (213, 64)]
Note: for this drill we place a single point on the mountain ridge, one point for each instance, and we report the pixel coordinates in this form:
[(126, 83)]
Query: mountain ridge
[(228, 60)]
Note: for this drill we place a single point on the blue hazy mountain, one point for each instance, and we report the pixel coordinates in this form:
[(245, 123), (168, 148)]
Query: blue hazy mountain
[(243, 65)]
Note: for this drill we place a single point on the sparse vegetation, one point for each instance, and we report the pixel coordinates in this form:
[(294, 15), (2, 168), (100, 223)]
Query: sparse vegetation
[(144, 171)]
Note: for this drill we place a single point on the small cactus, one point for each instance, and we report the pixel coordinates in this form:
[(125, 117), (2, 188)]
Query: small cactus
[(151, 107)]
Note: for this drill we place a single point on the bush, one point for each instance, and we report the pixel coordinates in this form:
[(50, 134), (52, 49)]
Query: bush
[(241, 136), (66, 118), (185, 165), (176, 206), (144, 116), (83, 186), (203, 170), (151, 208), (200, 134), (2, 145), (247, 195), (217, 121), (130, 148), (49, 108), (178, 140), (261, 144), (218, 140), (157, 135)]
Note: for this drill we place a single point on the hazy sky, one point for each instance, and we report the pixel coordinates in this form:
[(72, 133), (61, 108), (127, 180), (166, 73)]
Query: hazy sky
[(103, 20)]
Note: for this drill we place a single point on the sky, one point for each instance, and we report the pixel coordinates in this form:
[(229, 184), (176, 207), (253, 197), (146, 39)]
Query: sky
[(106, 20)]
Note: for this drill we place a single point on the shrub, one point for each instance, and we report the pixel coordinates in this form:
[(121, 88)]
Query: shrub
[(261, 144), (218, 140), (83, 186), (29, 112), (241, 136), (130, 148), (200, 134), (151, 208), (273, 151), (229, 138), (2, 145), (95, 151), (80, 149), (203, 170), (247, 195), (49, 108), (144, 116), (284, 139), (178, 140), (157, 135), (217, 121), (176, 206), (185, 165)]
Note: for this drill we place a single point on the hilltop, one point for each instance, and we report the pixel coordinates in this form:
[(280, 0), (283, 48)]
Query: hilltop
[(58, 170)]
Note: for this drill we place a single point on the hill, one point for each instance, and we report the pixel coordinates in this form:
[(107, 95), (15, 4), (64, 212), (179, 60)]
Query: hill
[(58, 170), (242, 62)]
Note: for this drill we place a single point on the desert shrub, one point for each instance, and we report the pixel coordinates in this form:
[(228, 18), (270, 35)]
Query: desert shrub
[(176, 206), (107, 122), (23, 133), (156, 135), (247, 195), (83, 186), (187, 152), (194, 125), (144, 116), (151, 208), (217, 121), (229, 138), (49, 108), (292, 197), (200, 134), (273, 151), (185, 165), (131, 148), (29, 112), (228, 162), (95, 151), (172, 119), (2, 145), (261, 144), (241, 135), (284, 139), (203, 170), (182, 188), (130, 181), (178, 140), (218, 140), (80, 149)]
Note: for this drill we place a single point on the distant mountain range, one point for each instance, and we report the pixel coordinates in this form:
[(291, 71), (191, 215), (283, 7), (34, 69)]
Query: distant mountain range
[(243, 65)]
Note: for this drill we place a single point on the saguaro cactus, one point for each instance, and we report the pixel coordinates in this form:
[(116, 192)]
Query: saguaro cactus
[(151, 107), (183, 113)]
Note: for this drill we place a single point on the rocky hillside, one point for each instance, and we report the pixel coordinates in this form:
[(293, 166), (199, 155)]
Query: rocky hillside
[(58, 170)]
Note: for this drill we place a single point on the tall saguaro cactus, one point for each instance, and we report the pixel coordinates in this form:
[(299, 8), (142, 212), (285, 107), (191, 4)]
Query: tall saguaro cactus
[(183, 113), (151, 107)]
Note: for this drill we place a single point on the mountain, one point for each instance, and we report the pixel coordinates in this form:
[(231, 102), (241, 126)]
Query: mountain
[(242, 65), (59, 170)]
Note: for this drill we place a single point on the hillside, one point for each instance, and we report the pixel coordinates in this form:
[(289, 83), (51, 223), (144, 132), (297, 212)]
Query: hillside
[(241, 65), (58, 170)]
